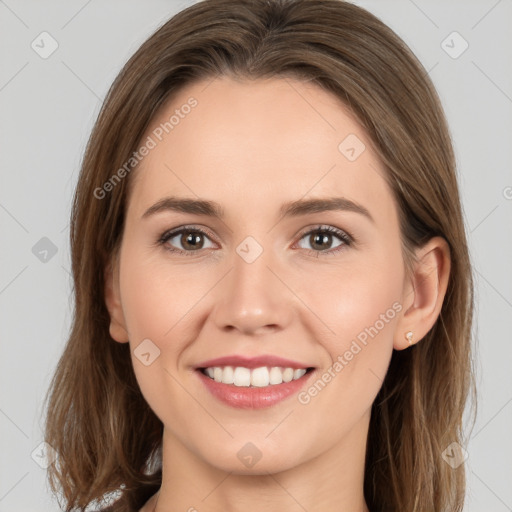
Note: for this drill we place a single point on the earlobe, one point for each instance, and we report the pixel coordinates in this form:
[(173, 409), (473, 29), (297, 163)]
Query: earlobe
[(424, 292), (117, 327)]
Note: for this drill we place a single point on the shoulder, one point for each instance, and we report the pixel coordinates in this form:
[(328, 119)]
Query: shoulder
[(146, 506), (115, 507), (144, 500), (110, 508)]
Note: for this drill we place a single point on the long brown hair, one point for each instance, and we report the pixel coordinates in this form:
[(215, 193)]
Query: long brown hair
[(106, 436)]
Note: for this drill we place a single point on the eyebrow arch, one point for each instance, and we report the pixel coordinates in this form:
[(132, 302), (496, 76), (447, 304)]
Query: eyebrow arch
[(323, 204), (186, 205), (289, 209)]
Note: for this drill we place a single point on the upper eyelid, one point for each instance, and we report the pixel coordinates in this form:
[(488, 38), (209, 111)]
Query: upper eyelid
[(325, 227)]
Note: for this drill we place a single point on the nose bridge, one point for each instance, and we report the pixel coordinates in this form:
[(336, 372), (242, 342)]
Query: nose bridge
[(252, 296)]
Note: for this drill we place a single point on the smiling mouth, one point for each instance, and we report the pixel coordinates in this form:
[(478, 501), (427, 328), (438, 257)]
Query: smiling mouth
[(263, 376)]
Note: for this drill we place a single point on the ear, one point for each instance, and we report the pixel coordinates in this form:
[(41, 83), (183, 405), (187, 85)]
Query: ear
[(424, 292), (117, 327)]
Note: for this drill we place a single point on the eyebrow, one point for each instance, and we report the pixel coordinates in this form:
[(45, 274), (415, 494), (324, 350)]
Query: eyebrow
[(289, 209)]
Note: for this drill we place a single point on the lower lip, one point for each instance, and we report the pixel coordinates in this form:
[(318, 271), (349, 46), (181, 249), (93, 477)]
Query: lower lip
[(253, 398)]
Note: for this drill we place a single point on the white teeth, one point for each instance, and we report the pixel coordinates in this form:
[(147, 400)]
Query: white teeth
[(228, 375), (297, 374), (241, 376), (217, 374), (257, 377), (276, 375), (288, 374), (260, 377)]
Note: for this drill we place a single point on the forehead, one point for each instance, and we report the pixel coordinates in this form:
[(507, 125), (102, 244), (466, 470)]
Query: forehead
[(260, 139)]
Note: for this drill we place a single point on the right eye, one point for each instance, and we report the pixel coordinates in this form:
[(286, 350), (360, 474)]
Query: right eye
[(190, 238)]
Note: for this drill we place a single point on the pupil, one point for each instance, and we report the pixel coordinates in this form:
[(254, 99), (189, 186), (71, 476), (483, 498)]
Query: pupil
[(319, 238), (192, 240)]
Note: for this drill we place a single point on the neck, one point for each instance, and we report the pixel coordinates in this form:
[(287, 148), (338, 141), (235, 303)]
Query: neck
[(331, 481)]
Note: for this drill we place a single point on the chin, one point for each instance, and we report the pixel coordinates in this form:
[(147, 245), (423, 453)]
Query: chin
[(254, 458)]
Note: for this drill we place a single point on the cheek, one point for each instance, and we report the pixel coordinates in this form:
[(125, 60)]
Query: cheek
[(360, 306), (162, 302), (364, 302), (158, 296), (356, 307), (160, 305)]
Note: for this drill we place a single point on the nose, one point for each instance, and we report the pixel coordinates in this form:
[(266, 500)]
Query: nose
[(253, 298)]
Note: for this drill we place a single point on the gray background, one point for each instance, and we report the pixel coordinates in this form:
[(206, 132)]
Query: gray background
[(48, 107)]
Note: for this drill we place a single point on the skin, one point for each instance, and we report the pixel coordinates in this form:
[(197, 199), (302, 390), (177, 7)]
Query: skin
[(251, 146)]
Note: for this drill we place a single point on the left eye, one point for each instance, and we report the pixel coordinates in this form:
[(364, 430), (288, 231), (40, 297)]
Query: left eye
[(190, 239), (319, 238)]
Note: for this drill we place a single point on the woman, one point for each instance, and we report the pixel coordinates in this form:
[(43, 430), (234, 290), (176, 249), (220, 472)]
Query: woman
[(273, 290)]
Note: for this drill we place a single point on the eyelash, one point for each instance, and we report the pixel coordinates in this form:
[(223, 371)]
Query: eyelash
[(345, 237)]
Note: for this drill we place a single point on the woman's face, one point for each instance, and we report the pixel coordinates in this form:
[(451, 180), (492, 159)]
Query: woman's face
[(260, 283)]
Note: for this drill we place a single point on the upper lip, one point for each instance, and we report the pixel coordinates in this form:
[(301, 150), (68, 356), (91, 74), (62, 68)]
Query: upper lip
[(252, 362)]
